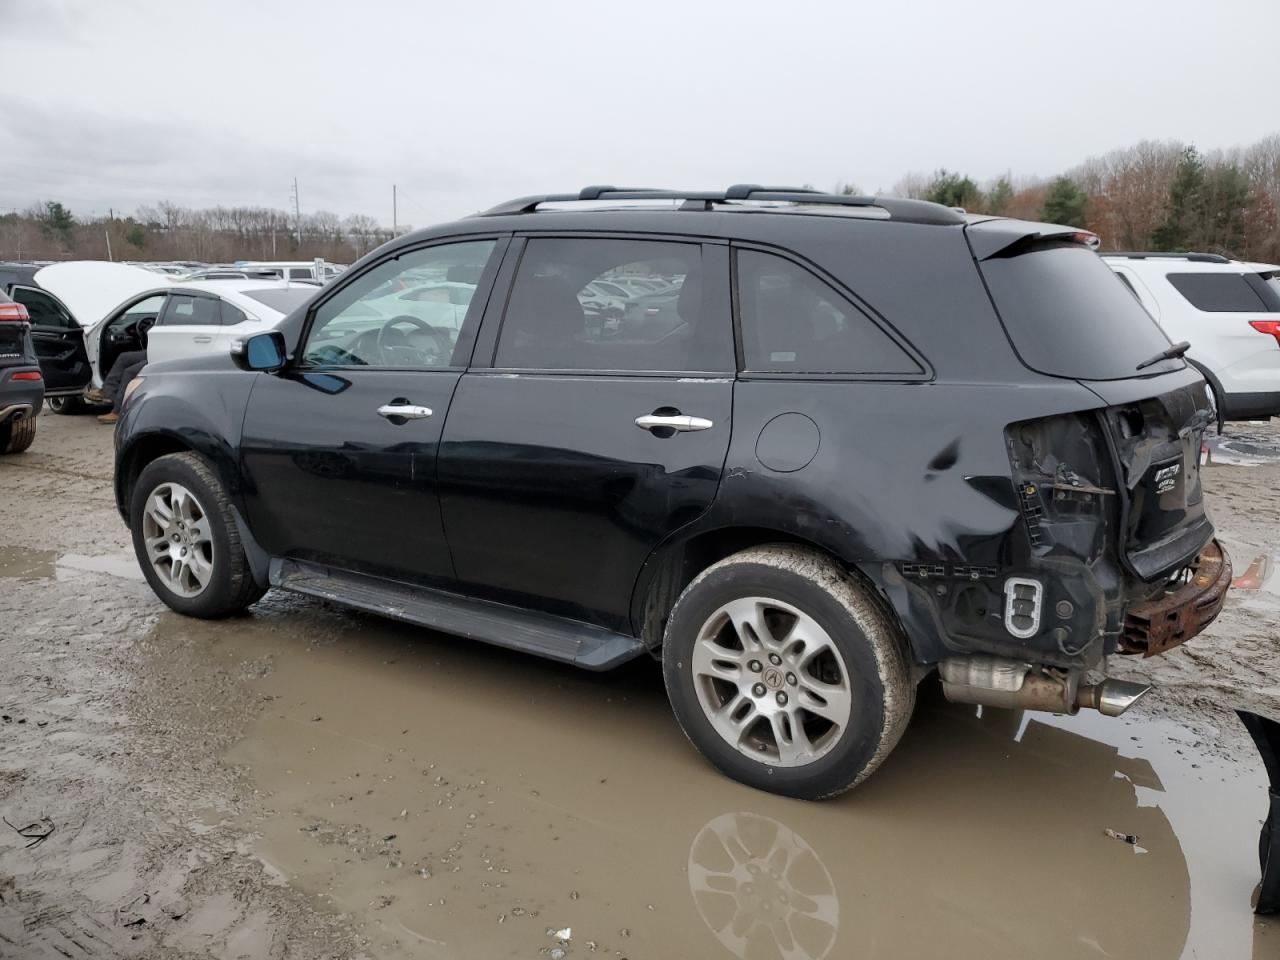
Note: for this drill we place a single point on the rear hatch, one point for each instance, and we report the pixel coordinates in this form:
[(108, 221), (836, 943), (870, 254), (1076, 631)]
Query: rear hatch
[(1068, 315)]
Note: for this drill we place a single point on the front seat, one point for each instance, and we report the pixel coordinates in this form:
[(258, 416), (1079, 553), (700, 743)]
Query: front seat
[(549, 321)]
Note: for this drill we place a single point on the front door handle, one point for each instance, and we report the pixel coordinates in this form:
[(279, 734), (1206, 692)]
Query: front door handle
[(403, 411), (202, 339), (679, 423)]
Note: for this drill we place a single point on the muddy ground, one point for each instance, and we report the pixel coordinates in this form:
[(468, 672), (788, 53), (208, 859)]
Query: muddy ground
[(308, 782)]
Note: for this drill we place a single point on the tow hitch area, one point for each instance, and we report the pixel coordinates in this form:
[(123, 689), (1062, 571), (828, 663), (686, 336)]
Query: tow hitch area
[(1266, 735), (1190, 604)]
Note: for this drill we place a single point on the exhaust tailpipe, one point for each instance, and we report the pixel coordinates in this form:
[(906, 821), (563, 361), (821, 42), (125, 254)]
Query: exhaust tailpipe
[(1018, 685), (1112, 697)]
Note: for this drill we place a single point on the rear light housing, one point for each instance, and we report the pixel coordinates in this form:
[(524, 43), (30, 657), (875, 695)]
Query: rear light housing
[(27, 375), (1269, 327), (14, 312)]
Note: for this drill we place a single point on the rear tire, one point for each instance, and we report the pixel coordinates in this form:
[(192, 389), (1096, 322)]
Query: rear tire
[(186, 539), (17, 435), (66, 406), (785, 673)]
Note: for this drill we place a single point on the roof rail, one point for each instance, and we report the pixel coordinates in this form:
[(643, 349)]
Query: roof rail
[(1193, 257), (910, 211)]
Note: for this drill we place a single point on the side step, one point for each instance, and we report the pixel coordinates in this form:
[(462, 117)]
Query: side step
[(544, 635)]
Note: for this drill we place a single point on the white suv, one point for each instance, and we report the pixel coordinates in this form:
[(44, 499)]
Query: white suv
[(1228, 310)]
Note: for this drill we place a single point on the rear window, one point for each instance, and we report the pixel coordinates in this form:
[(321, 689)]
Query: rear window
[(282, 301), (1069, 315), (793, 322), (1218, 292)]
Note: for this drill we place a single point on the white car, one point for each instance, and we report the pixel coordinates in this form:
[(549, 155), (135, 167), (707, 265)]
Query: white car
[(115, 304), (293, 269), (1228, 310)]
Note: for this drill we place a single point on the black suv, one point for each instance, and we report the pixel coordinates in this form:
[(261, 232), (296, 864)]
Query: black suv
[(802, 447), (21, 383)]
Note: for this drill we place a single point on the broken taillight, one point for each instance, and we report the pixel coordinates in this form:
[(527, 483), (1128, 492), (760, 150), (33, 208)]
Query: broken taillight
[(1269, 327), (13, 311)]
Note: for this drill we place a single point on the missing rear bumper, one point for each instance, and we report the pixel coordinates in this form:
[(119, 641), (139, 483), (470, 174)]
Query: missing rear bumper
[(1184, 610)]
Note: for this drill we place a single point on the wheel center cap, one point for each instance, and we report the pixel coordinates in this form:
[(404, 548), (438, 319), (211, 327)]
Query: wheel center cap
[(773, 678)]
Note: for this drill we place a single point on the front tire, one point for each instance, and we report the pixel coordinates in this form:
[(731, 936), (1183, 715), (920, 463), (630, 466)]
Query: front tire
[(17, 435), (785, 673), (186, 539)]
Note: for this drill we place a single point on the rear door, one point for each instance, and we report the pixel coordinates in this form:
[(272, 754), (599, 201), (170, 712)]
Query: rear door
[(188, 325), (574, 447), (59, 340)]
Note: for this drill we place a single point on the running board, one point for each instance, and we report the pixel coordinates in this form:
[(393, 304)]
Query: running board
[(556, 638)]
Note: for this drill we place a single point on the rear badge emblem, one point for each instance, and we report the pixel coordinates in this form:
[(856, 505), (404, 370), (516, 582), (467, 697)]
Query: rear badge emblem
[(1166, 477)]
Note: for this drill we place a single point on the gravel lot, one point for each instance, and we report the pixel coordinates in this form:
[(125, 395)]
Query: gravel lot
[(308, 782)]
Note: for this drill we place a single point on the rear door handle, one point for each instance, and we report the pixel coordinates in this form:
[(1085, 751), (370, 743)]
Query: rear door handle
[(404, 411), (680, 423), (202, 339)]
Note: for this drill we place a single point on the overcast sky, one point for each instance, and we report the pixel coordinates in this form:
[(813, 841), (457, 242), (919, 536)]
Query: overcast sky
[(117, 103)]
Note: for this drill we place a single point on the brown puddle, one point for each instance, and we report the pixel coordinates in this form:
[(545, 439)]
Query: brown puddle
[(23, 564), (468, 802)]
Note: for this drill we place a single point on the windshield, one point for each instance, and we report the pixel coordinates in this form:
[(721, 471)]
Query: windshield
[(1069, 315), (282, 300)]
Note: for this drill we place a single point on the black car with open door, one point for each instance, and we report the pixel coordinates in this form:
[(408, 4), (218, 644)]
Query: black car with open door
[(58, 338)]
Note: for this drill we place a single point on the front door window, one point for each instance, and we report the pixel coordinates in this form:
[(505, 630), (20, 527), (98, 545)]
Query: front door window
[(404, 313)]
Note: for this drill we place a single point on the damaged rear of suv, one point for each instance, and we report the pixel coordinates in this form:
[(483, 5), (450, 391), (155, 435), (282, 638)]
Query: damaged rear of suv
[(1113, 551), (812, 448)]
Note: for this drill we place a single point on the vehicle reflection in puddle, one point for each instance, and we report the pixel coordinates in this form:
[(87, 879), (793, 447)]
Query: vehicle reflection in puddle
[(468, 802), (23, 564), (762, 890)]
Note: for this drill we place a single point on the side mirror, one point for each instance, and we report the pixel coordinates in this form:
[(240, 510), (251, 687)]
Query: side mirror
[(262, 351)]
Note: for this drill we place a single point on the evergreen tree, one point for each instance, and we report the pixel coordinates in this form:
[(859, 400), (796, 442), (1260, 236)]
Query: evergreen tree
[(953, 190), (999, 196), (1064, 203), (1226, 197), (1186, 204), (55, 220)]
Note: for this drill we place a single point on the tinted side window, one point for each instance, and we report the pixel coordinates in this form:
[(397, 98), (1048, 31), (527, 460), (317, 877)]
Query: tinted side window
[(793, 322), (43, 309), (378, 319), (231, 314), (191, 311), (300, 273), (625, 305), (1217, 292)]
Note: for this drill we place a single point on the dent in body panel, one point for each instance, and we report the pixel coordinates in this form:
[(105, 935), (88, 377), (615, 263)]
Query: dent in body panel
[(896, 485)]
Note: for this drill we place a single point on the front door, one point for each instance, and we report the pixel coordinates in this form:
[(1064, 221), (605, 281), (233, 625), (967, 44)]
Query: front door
[(339, 449), (599, 429), (58, 339)]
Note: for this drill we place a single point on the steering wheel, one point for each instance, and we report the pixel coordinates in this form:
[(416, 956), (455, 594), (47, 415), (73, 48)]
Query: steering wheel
[(385, 346)]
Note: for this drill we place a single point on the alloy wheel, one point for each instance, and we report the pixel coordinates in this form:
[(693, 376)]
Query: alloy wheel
[(771, 681), (179, 544)]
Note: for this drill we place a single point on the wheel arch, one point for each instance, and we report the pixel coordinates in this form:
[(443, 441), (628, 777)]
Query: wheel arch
[(674, 564), (149, 447)]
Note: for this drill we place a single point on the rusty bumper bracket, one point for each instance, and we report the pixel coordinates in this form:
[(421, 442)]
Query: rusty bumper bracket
[(1164, 622)]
